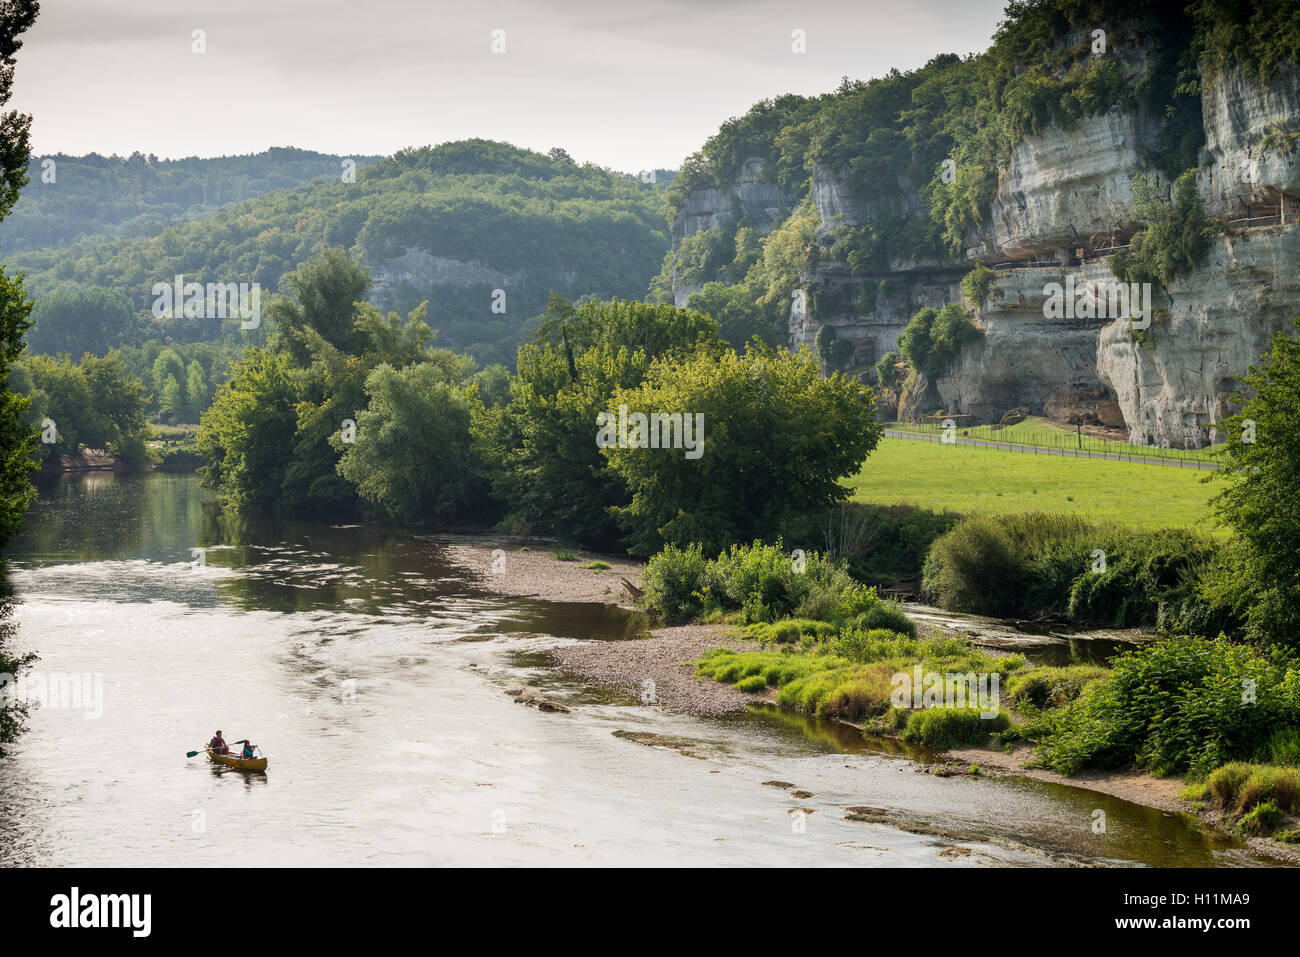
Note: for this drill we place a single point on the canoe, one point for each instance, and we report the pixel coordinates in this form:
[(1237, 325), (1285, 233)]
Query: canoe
[(235, 761)]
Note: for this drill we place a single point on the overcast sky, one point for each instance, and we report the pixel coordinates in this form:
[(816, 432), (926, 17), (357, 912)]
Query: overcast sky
[(630, 84)]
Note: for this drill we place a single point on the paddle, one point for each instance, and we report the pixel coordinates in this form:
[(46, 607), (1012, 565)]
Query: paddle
[(190, 754)]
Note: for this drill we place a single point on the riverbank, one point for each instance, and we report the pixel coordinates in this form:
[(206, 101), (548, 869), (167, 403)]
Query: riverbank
[(659, 670), (506, 566)]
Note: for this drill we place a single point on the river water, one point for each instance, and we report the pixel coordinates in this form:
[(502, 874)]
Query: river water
[(373, 675)]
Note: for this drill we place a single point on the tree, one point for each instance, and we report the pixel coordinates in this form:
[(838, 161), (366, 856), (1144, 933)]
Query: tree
[(196, 391), (777, 440), (17, 440), (98, 404), (540, 449), (1175, 238), (325, 293), (245, 433), (934, 338), (412, 450), (1261, 466), (117, 406), (79, 320)]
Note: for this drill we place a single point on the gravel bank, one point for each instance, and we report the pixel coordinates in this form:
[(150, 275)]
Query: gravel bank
[(505, 568), (663, 658)]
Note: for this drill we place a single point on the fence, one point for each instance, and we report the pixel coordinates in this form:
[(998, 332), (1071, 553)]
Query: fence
[(1039, 441)]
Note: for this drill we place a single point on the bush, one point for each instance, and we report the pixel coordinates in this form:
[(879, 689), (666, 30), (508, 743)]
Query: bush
[(972, 568), (943, 728), (1041, 563), (1280, 786), (1284, 747), (1262, 819), (888, 615), (760, 581), (674, 582), (1178, 705), (790, 630), (1224, 784), (1049, 687)]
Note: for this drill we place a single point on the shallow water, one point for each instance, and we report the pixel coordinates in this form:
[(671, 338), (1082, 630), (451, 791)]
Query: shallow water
[(373, 675)]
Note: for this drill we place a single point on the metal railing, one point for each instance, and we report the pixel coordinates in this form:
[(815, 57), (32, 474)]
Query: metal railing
[(1068, 444)]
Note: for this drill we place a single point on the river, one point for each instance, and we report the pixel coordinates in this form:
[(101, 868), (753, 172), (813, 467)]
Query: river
[(373, 676)]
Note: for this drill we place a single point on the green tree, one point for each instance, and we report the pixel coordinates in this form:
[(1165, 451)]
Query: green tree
[(777, 440), (245, 433), (412, 450), (325, 291), (77, 320), (196, 391), (17, 440), (1261, 465), (117, 407), (934, 338), (1175, 238), (540, 449)]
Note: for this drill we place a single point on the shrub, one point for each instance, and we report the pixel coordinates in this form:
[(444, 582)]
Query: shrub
[(888, 615), (1177, 705), (977, 285), (1049, 687), (1281, 786), (1041, 563), (760, 581), (1262, 819), (1224, 784), (674, 582), (972, 568), (943, 728), (790, 630), (1284, 747)]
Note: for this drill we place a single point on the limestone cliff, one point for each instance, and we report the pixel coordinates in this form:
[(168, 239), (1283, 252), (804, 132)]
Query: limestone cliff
[(1064, 200)]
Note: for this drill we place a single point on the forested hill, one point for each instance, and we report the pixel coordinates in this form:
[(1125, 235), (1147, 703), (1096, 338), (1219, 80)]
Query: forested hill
[(452, 224), (68, 198)]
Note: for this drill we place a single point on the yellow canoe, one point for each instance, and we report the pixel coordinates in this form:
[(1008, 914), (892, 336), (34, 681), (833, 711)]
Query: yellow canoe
[(234, 761)]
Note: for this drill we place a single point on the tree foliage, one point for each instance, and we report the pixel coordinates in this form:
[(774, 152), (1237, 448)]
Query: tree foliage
[(778, 437), (1261, 466)]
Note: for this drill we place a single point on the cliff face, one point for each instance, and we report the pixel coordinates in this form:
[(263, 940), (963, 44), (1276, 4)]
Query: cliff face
[(1174, 382), (1062, 190), (423, 270), (1063, 203), (1240, 170), (752, 198)]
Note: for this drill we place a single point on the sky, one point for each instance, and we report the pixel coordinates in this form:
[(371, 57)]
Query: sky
[(628, 84)]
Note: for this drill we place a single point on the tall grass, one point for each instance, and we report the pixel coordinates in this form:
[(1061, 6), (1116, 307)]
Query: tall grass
[(1089, 573)]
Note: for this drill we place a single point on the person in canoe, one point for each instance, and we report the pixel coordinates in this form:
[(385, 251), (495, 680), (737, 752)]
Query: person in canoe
[(218, 744), (248, 750)]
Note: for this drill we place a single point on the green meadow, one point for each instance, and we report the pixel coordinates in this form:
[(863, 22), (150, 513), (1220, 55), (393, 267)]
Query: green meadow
[(963, 478)]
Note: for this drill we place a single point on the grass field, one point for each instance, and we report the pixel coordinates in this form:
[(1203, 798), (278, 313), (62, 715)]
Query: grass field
[(966, 479), (1036, 431)]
